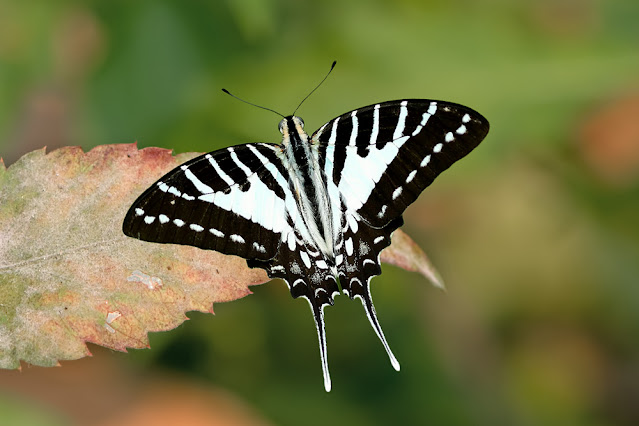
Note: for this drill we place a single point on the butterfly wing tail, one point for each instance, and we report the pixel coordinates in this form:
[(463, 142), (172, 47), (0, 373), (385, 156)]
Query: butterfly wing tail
[(318, 316), (315, 284), (363, 293), (361, 264)]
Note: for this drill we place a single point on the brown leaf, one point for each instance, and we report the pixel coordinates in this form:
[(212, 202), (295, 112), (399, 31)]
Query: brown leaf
[(406, 254), (68, 275)]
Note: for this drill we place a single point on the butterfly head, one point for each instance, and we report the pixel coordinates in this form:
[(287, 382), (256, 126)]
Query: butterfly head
[(291, 124)]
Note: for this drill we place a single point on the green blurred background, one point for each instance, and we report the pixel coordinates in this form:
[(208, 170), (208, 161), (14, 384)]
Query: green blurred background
[(536, 233)]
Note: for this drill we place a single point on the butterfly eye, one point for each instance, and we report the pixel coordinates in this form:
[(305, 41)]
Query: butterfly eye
[(281, 126), (301, 122)]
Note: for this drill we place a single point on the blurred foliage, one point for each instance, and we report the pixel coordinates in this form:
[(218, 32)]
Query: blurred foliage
[(535, 233)]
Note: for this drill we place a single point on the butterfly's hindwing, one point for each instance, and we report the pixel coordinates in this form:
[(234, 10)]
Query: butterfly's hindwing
[(308, 275), (360, 249)]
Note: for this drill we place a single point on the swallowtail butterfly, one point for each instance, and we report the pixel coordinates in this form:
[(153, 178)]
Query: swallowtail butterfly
[(314, 211)]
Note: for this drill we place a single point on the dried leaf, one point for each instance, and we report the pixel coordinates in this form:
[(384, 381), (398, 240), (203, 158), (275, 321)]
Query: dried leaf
[(406, 254), (69, 276)]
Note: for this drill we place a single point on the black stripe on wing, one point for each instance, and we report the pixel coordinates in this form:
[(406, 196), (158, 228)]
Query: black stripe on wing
[(228, 200), (390, 152)]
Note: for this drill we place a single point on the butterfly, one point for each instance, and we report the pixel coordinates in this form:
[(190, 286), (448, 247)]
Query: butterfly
[(315, 211)]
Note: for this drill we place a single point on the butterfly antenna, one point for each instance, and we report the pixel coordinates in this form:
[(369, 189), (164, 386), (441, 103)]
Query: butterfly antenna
[(247, 102), (316, 87)]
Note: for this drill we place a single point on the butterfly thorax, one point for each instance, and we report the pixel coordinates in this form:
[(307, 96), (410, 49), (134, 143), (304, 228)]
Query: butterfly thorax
[(308, 184)]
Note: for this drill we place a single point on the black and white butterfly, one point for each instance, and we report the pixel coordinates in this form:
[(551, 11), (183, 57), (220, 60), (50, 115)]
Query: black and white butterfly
[(314, 211)]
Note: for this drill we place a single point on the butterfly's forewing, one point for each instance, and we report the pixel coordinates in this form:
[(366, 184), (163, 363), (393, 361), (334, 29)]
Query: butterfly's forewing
[(386, 154), (231, 201)]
